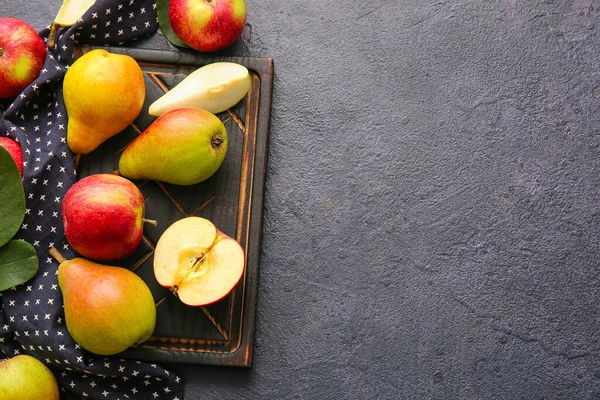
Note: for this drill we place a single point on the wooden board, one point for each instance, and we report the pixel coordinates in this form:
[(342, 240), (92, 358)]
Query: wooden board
[(222, 333)]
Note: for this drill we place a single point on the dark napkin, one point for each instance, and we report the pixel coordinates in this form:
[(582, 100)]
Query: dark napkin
[(31, 315)]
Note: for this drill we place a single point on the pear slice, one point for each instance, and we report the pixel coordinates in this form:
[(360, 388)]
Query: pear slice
[(68, 14), (71, 11), (214, 87)]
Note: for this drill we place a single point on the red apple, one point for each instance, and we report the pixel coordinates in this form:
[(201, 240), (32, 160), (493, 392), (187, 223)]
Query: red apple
[(14, 149), (207, 25), (103, 216), (197, 262), (22, 56)]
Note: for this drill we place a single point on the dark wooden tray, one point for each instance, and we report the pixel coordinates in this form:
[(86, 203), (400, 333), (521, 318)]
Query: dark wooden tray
[(222, 333)]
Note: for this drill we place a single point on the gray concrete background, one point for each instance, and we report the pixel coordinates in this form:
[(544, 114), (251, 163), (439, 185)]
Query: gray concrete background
[(432, 220)]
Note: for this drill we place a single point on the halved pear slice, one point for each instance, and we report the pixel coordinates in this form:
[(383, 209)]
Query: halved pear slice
[(214, 87), (71, 11), (68, 14), (197, 262)]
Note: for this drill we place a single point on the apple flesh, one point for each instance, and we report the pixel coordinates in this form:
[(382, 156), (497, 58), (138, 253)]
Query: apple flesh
[(197, 262), (207, 25), (14, 149), (22, 56), (103, 217)]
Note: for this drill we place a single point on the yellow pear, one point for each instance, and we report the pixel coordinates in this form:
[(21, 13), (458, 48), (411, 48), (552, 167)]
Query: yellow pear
[(24, 377), (107, 309), (103, 93)]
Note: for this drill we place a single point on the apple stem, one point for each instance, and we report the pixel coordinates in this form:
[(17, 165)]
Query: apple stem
[(56, 254), (160, 301), (116, 172), (150, 221), (1, 51)]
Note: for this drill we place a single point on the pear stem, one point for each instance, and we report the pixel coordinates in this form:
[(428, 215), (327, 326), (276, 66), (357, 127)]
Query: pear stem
[(77, 159), (150, 221), (52, 35), (56, 254)]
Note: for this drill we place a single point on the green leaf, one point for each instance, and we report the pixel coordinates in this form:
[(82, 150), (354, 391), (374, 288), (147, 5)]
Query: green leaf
[(12, 197), (18, 263), (162, 11)]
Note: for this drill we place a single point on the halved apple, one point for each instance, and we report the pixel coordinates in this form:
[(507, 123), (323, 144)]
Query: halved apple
[(197, 262), (214, 87)]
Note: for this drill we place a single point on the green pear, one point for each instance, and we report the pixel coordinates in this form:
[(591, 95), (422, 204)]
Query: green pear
[(214, 87), (107, 309), (183, 146), (24, 377)]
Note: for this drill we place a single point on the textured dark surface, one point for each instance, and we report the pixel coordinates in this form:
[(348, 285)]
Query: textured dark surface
[(432, 219)]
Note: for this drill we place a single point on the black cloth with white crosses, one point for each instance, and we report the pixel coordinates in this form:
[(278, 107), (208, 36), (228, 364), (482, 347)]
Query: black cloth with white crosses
[(31, 315)]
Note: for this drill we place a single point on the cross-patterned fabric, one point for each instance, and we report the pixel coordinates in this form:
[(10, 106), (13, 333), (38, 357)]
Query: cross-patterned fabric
[(31, 315)]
